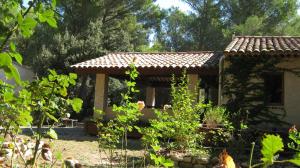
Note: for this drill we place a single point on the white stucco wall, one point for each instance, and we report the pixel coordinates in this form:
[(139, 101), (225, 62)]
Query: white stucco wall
[(291, 104), (292, 90), (26, 74)]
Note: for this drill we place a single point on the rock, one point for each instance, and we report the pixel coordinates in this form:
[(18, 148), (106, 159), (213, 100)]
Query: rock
[(244, 164), (214, 160), (175, 163), (71, 163), (199, 166), (201, 160), (187, 159), (185, 165), (176, 157)]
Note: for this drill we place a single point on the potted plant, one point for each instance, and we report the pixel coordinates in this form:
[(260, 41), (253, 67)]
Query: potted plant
[(90, 127), (215, 117)]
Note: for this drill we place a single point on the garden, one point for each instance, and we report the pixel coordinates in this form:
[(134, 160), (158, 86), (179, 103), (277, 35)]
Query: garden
[(187, 133)]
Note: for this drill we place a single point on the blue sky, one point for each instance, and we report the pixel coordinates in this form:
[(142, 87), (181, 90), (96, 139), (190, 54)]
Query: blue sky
[(175, 3), (178, 3)]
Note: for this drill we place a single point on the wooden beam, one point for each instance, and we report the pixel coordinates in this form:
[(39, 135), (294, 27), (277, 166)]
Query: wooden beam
[(101, 89)]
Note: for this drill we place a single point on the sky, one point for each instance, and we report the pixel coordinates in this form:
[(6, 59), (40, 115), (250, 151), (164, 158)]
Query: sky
[(175, 3), (165, 4)]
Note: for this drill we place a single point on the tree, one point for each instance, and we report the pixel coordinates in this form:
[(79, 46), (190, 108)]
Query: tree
[(211, 23), (208, 25), (266, 15), (89, 29), (86, 30), (18, 19), (174, 33)]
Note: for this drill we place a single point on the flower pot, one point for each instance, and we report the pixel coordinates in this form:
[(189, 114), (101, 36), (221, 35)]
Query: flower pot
[(91, 127)]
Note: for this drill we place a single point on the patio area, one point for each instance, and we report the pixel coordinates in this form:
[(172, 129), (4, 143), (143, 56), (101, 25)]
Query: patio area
[(155, 74)]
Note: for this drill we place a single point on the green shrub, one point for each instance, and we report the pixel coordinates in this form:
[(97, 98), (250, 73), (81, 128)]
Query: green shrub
[(176, 128), (215, 116), (115, 132)]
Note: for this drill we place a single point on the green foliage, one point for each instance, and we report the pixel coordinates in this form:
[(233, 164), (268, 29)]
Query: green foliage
[(89, 29), (14, 108), (174, 36), (16, 19), (161, 161), (52, 134), (175, 128), (45, 99), (271, 145), (215, 116), (211, 23), (86, 30), (49, 96), (247, 99), (50, 102), (294, 136), (76, 104), (127, 114)]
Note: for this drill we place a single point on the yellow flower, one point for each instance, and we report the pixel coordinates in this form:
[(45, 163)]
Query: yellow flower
[(141, 105)]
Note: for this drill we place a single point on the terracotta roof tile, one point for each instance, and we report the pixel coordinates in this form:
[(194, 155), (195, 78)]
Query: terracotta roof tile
[(274, 44), (121, 60)]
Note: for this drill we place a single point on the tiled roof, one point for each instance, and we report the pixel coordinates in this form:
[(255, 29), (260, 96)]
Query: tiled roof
[(283, 45), (167, 60)]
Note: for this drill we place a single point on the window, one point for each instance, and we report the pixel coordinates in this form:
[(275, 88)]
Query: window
[(162, 96), (274, 88)]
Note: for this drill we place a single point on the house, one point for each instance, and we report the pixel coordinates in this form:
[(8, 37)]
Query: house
[(257, 71)]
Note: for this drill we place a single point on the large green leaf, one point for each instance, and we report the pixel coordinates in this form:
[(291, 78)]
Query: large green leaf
[(53, 4), (18, 57), (14, 73), (271, 144), (296, 159), (48, 16), (8, 96), (5, 59), (52, 134), (76, 104), (12, 46), (51, 117), (27, 26)]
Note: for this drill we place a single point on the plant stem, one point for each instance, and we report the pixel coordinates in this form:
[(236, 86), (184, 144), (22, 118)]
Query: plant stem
[(11, 32), (126, 147), (6, 132), (38, 139), (257, 165), (251, 154), (19, 151)]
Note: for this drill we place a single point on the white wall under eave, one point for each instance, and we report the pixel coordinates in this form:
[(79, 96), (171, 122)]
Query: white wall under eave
[(292, 98), (291, 104), (291, 90), (101, 89)]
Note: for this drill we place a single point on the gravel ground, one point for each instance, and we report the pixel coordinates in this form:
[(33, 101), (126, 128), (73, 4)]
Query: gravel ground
[(75, 143)]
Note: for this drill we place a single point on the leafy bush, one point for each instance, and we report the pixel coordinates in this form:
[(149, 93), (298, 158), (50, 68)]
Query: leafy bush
[(47, 98), (175, 128), (272, 145), (127, 114), (215, 116)]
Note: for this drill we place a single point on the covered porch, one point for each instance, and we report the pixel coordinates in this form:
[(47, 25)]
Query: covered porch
[(155, 74)]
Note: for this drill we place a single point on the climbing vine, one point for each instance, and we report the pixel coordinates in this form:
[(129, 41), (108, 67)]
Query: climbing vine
[(245, 89)]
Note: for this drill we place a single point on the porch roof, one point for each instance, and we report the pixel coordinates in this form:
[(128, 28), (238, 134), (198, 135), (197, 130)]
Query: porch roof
[(151, 63), (277, 45)]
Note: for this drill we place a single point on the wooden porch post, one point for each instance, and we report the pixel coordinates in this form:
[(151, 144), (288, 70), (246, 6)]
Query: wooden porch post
[(193, 84), (101, 88), (150, 96)]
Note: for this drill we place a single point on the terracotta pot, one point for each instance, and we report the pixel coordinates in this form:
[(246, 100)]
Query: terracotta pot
[(91, 128)]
